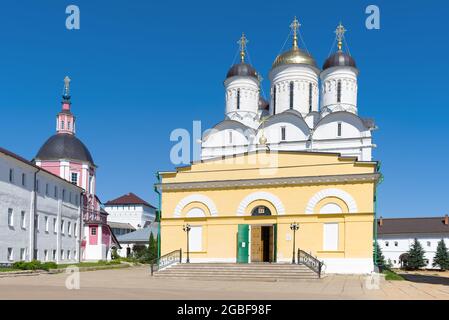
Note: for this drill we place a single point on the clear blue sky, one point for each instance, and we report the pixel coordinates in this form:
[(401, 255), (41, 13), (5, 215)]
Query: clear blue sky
[(140, 69)]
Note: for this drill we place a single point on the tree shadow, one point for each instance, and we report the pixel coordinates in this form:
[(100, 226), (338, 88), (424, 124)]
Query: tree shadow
[(419, 278)]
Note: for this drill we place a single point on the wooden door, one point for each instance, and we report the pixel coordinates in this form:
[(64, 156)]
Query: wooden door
[(256, 244)]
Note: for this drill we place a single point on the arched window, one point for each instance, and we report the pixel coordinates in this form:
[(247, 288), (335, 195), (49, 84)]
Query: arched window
[(261, 211), (310, 97), (291, 95), (274, 99), (339, 91), (238, 99), (62, 125)]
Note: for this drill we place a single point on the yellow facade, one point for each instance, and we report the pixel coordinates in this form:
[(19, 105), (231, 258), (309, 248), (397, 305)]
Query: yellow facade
[(330, 197)]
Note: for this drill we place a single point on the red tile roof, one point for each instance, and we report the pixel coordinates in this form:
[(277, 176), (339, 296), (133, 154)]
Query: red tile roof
[(412, 225), (129, 198)]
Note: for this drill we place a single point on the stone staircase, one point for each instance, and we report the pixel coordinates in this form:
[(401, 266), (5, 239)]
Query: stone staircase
[(238, 272)]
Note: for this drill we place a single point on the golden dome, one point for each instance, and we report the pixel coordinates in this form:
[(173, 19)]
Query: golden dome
[(294, 56)]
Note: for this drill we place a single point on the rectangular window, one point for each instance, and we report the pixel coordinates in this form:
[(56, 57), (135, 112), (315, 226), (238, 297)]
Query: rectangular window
[(62, 125), (274, 100), (310, 97), (10, 254), (55, 225), (11, 175), (230, 136), (46, 189), (339, 130), (74, 178), (93, 231), (63, 194), (46, 224), (62, 226), (330, 236), (339, 91), (62, 254), (68, 254), (291, 95), (22, 254), (46, 255), (238, 99), (54, 255), (36, 254), (23, 219), (282, 133), (69, 228), (56, 192), (74, 254), (10, 217), (196, 239), (75, 229), (36, 222), (37, 186)]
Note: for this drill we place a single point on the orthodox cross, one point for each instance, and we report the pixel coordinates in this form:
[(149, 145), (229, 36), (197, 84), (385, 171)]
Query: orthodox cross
[(295, 28), (242, 43), (66, 86), (340, 32)]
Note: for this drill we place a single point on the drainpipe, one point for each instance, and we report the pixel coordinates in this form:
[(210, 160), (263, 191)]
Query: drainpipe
[(375, 215), (158, 216), (33, 218)]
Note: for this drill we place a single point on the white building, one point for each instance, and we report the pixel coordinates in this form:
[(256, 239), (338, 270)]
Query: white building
[(130, 209), (138, 237), (309, 109), (396, 235), (40, 215)]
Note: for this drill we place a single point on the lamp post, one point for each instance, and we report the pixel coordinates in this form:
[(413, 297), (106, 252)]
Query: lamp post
[(186, 229), (294, 226)]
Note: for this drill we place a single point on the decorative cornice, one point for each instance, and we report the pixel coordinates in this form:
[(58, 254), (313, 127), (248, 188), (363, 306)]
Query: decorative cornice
[(269, 182)]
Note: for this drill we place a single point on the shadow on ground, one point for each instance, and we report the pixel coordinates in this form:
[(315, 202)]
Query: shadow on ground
[(419, 278)]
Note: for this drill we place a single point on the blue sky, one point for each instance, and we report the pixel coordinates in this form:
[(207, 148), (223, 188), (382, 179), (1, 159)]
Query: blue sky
[(140, 69)]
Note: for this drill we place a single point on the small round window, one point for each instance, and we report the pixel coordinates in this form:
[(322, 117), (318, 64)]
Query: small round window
[(261, 211)]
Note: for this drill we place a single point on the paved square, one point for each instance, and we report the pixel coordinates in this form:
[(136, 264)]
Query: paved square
[(136, 283)]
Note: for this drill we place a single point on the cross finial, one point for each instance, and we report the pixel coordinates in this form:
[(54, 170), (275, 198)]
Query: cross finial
[(66, 86), (295, 27), (243, 41), (340, 32)]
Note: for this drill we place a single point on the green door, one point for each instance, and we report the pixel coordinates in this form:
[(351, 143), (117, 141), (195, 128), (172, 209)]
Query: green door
[(243, 243)]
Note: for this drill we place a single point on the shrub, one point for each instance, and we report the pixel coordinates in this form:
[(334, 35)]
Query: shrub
[(49, 265)]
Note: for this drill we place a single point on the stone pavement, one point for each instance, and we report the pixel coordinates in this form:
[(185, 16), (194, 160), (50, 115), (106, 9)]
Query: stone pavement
[(136, 283)]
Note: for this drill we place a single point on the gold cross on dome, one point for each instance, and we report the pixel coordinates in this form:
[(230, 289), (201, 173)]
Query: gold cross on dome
[(295, 28), (340, 32), (243, 41)]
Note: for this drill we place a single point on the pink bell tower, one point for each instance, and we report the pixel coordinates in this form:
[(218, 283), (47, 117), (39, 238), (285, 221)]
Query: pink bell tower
[(65, 120)]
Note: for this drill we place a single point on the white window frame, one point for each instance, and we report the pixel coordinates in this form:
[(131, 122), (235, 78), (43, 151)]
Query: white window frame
[(46, 224), (10, 217), (23, 219), (10, 254), (331, 236), (22, 254), (196, 239)]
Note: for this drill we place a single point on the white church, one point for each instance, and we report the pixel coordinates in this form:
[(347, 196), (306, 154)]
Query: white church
[(309, 109)]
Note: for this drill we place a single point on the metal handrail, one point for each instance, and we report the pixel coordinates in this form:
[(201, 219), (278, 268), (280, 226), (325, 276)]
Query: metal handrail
[(310, 261), (166, 260)]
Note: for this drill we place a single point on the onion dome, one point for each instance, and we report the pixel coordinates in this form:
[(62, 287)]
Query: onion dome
[(339, 58), (295, 55), (64, 146), (242, 69)]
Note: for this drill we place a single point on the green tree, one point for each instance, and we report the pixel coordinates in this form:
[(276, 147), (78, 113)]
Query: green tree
[(441, 259), (152, 248), (380, 259), (416, 256)]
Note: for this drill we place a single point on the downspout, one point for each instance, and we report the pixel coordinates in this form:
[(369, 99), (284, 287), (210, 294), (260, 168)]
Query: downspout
[(33, 221), (375, 244), (158, 215), (81, 227)]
